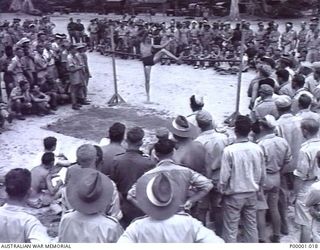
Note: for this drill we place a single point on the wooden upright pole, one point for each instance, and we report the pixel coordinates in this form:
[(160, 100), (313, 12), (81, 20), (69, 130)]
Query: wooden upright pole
[(116, 98), (240, 71), (230, 120)]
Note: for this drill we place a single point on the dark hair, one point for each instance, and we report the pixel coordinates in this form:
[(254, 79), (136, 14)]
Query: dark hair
[(283, 73), (23, 83), (284, 109), (299, 80), (243, 125), (311, 125), (164, 146), (268, 81), (99, 155), (195, 106), (116, 132), (47, 158), (18, 182), (135, 135), (49, 142), (304, 101)]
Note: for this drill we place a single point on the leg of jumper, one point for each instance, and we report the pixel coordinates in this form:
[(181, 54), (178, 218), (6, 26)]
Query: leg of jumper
[(147, 73), (162, 52)]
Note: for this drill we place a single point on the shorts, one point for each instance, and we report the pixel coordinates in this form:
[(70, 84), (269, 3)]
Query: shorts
[(148, 60)]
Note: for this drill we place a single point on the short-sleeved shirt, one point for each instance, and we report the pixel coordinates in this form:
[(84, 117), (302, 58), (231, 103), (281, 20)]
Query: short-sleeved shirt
[(180, 228), (76, 227), (17, 225)]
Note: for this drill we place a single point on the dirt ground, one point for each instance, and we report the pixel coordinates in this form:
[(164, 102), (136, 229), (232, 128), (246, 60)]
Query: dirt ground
[(171, 87)]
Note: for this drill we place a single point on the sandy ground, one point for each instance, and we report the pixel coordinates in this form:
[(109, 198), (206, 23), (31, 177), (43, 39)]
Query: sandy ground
[(171, 87)]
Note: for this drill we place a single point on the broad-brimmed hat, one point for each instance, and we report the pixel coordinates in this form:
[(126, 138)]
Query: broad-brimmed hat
[(158, 195), (181, 127), (89, 191)]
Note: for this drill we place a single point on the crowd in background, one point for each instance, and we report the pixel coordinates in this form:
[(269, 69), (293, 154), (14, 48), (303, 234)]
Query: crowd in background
[(196, 183)]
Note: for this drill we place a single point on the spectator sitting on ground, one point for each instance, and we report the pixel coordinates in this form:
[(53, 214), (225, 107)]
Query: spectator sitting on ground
[(17, 225)]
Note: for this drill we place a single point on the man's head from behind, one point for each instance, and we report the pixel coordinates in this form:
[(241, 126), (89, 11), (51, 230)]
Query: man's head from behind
[(242, 126), (164, 148), (47, 159), (86, 156), (135, 136), (116, 132), (50, 143), (304, 101), (17, 183), (310, 128), (196, 103)]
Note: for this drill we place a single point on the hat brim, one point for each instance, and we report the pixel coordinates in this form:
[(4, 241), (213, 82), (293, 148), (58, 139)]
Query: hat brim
[(191, 133), (155, 212), (97, 206)]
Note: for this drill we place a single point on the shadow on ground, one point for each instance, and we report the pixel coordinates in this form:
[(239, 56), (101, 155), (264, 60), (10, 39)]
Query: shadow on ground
[(92, 123)]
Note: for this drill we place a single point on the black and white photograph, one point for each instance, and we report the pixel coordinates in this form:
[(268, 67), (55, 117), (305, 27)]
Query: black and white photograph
[(160, 121)]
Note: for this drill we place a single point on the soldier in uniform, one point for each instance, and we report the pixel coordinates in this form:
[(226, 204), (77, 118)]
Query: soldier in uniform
[(260, 34), (274, 36), (302, 37), (289, 39), (126, 169), (159, 196), (266, 105)]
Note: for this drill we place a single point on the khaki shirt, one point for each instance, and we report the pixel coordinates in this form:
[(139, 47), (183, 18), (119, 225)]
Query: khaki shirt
[(180, 228), (17, 225), (186, 179), (242, 168), (76, 227), (289, 128), (214, 144)]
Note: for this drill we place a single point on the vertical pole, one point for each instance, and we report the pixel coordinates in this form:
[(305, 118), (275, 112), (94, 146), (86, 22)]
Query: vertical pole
[(240, 71), (114, 64)]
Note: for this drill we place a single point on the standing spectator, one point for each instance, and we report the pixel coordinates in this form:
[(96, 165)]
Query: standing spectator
[(75, 69), (288, 127), (72, 30), (89, 193), (214, 144), (93, 31), (126, 169), (79, 28), (307, 173), (277, 157), (266, 105), (159, 196), (241, 177)]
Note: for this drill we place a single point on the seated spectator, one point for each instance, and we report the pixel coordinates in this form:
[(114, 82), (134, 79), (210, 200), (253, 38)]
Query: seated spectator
[(20, 100), (40, 101), (116, 135), (43, 189), (89, 193), (17, 225)]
